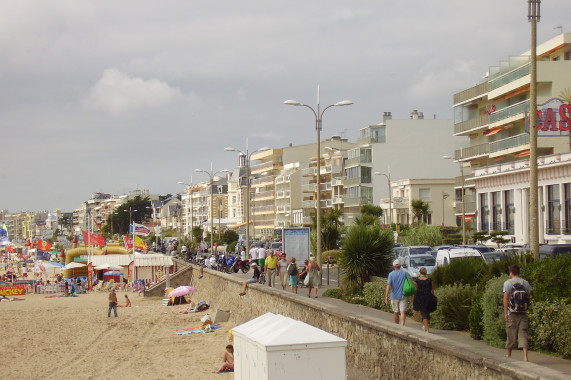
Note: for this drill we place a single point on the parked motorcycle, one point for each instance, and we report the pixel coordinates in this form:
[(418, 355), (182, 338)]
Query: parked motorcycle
[(240, 264)]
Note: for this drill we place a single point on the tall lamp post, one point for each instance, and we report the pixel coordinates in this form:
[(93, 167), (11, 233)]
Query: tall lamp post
[(463, 203), (533, 16), (189, 187), (388, 177), (247, 158), (318, 117), (211, 174)]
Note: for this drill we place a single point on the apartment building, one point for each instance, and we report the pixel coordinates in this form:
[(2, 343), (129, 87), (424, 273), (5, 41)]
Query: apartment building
[(493, 115), (396, 149)]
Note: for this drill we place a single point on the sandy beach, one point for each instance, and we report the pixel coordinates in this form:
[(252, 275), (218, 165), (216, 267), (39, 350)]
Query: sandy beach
[(72, 338)]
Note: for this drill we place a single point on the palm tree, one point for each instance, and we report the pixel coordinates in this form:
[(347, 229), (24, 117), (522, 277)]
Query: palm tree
[(370, 215), (366, 252), (420, 210)]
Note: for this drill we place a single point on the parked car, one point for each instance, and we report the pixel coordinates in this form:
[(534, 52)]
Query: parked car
[(412, 264), (490, 257), (445, 256), (478, 247), (397, 252), (414, 250), (551, 250)]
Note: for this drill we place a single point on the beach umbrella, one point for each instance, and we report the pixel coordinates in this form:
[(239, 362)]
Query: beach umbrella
[(102, 266), (181, 291), (74, 265), (115, 267)]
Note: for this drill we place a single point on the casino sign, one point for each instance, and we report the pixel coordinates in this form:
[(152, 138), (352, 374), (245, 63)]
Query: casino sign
[(553, 118)]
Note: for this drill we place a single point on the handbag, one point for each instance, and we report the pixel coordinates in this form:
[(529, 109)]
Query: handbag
[(306, 280), (433, 304), (408, 288)]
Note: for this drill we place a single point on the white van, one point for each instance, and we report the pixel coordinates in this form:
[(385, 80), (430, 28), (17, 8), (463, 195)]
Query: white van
[(445, 256)]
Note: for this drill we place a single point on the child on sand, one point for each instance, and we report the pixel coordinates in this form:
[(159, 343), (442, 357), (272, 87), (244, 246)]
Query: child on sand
[(227, 360)]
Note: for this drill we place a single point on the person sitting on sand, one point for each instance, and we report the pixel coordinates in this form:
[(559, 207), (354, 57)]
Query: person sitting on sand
[(227, 360), (10, 299), (127, 302), (255, 278)]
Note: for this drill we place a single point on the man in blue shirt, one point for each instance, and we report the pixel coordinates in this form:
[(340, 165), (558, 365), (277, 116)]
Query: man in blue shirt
[(395, 284)]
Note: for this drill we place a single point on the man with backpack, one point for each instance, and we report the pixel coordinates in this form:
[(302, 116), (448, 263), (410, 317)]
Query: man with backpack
[(517, 295)]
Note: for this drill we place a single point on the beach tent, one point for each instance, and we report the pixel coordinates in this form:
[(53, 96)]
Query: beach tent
[(276, 347)]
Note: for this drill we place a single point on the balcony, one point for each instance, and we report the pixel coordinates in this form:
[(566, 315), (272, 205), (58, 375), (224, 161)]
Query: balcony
[(471, 125), (355, 202), (264, 181), (471, 93), (352, 182), (509, 77), (356, 161), (517, 110), (472, 152), (309, 204), (337, 181), (510, 142), (266, 166), (337, 200), (309, 172), (264, 195), (308, 188), (282, 194), (325, 186), (258, 210)]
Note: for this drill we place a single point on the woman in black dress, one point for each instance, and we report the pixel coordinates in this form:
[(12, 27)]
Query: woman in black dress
[(423, 297)]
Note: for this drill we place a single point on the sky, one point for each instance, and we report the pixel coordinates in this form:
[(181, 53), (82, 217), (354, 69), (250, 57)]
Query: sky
[(114, 96)]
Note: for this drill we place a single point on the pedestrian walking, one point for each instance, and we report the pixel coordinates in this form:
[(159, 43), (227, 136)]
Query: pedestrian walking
[(517, 296), (292, 271), (314, 274), (423, 297), (395, 284), (282, 271), (271, 267), (112, 303)]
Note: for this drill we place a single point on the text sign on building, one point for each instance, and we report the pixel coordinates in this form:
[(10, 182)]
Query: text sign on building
[(553, 118)]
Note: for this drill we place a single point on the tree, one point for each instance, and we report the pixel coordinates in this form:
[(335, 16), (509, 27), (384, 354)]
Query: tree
[(370, 215), (420, 210), (480, 236), (138, 208), (498, 237), (366, 252), (422, 235), (229, 236), (196, 233), (331, 229)]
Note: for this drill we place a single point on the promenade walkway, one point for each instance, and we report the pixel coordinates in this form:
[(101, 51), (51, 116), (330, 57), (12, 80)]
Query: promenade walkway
[(553, 368)]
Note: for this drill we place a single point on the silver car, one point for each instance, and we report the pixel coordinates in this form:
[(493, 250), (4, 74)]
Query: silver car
[(412, 264)]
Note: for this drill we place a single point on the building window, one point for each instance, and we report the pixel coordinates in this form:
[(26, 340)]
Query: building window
[(553, 208), (484, 211), (497, 214), (366, 176), (510, 212), (567, 188), (424, 195)]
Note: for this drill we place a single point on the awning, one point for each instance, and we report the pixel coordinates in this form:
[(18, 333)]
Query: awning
[(493, 131), (238, 225), (523, 153), (141, 260)]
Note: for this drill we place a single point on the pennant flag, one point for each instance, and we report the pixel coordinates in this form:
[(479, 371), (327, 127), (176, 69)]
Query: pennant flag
[(128, 242), (43, 245), (4, 240), (139, 229), (97, 224), (94, 239), (140, 243)]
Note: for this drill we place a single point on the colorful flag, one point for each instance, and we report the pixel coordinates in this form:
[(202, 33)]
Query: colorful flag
[(128, 242), (139, 229), (43, 245), (97, 224), (93, 239), (140, 244)]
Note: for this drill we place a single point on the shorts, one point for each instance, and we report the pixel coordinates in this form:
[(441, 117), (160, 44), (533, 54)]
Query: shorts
[(399, 305), (252, 280), (517, 331), (293, 280)]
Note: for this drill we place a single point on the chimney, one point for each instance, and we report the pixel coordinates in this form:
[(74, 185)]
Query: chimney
[(387, 116), (421, 115), (414, 115)]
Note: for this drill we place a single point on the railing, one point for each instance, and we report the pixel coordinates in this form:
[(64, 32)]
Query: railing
[(308, 204), (263, 180), (470, 93), (309, 187), (325, 186), (325, 203), (472, 151), (337, 181), (265, 166), (352, 181), (352, 202), (264, 194), (308, 172), (510, 142), (513, 110), (263, 209), (337, 200), (554, 226), (509, 77), (480, 121)]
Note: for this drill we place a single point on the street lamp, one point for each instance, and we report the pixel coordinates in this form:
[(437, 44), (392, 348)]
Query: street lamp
[(189, 186), (247, 158), (211, 175), (318, 117), (463, 204), (388, 177)]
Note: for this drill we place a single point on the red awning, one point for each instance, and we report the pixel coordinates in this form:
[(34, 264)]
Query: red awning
[(493, 131), (523, 153)]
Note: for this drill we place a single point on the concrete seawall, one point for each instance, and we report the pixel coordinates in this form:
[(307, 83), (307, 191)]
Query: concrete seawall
[(376, 349)]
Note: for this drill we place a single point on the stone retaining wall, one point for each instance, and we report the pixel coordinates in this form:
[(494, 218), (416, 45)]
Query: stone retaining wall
[(376, 349)]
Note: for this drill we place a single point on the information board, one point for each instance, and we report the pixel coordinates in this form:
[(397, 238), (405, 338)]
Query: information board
[(296, 243)]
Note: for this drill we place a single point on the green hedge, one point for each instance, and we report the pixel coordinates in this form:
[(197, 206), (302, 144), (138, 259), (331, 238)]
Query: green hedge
[(549, 278), (493, 316), (550, 326), (454, 305), (374, 296)]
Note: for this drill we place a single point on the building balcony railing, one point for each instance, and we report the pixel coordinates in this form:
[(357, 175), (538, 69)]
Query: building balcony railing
[(468, 125), (325, 186), (355, 202), (264, 195), (517, 109), (282, 194), (338, 181), (471, 93), (266, 166), (282, 209), (263, 210), (337, 200), (510, 142), (308, 188), (309, 172), (352, 182), (469, 207), (356, 161), (472, 151), (309, 204), (264, 181), (509, 77)]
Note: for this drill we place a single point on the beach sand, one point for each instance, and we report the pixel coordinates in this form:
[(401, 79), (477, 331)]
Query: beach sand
[(72, 338)]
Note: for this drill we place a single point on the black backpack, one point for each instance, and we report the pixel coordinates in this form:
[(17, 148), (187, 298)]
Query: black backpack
[(518, 298), (292, 269)]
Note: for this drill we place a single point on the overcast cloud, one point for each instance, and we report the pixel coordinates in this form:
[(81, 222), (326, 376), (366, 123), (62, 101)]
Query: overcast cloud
[(111, 96)]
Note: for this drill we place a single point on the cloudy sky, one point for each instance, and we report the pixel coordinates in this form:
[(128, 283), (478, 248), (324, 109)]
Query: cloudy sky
[(113, 96)]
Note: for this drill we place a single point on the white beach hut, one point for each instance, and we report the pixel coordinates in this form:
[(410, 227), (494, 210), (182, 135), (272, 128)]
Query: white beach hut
[(276, 347)]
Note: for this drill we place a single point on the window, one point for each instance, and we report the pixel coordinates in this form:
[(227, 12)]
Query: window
[(567, 187), (424, 194), (553, 208), (510, 211), (484, 211), (497, 214)]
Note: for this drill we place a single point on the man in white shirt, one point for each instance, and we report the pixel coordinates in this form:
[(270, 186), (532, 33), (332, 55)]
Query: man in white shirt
[(262, 257), (253, 253)]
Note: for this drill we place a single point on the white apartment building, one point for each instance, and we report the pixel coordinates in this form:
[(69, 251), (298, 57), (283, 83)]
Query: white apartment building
[(493, 115)]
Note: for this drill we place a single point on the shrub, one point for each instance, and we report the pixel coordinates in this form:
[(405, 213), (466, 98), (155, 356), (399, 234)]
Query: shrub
[(454, 305), (549, 278), (422, 235), (550, 326), (475, 318), (469, 270), (374, 296), (493, 316), (333, 293)]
